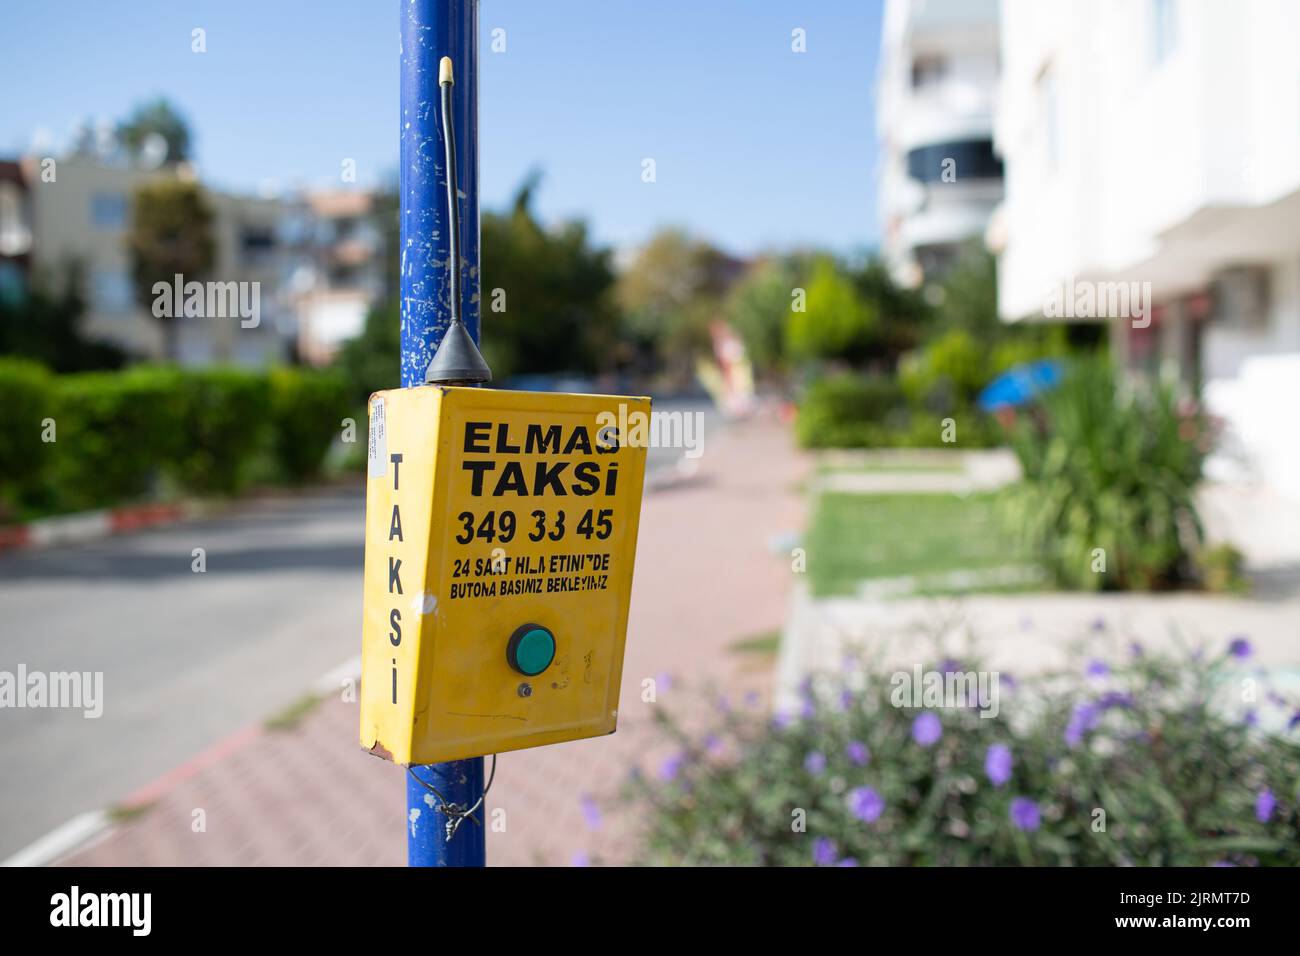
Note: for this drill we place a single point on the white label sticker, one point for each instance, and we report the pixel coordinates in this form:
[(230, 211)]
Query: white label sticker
[(377, 452)]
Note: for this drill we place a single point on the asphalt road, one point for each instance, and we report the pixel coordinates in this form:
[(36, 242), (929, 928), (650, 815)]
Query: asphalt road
[(187, 658)]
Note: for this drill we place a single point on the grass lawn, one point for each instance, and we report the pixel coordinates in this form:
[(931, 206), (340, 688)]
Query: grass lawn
[(855, 537)]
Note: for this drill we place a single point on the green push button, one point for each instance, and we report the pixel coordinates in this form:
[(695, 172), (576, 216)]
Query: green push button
[(531, 649)]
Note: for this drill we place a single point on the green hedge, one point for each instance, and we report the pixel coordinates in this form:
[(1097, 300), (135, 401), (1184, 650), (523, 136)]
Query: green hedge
[(114, 431), (868, 411), (307, 410), (121, 436), (25, 403)]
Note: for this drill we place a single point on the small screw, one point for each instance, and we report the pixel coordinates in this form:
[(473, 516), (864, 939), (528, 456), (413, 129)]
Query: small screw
[(525, 689)]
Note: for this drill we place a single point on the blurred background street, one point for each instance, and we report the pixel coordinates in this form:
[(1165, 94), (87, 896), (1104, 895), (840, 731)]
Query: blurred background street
[(973, 328)]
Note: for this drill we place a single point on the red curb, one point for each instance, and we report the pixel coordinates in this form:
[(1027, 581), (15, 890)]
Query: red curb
[(15, 536), (144, 516), (120, 520)]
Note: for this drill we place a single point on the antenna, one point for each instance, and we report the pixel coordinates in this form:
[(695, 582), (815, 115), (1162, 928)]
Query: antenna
[(458, 360)]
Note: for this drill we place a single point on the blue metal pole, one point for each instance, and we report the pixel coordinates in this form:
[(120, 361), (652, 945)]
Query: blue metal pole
[(432, 29)]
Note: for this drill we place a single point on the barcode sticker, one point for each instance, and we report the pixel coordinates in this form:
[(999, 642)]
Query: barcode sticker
[(377, 452)]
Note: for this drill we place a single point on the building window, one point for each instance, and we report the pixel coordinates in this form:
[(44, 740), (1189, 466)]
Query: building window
[(971, 159), (111, 292), (1164, 30), (108, 210), (928, 71)]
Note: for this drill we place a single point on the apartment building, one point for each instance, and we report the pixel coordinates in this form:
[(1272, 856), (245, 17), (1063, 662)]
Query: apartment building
[(344, 272), (1154, 146), (939, 177)]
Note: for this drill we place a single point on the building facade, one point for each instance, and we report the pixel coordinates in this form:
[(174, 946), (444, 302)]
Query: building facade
[(939, 177), (1152, 149)]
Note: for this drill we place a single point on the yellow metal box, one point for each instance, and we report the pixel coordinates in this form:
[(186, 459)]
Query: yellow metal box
[(500, 534)]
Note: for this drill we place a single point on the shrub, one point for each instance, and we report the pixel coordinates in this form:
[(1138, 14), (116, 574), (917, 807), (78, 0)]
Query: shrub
[(1110, 476), (1179, 780), (867, 411), (947, 374), (307, 408), (26, 400), (115, 429), (225, 421), (850, 411)]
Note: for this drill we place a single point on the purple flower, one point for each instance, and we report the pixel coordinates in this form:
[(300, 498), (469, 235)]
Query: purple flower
[(752, 698), (1024, 814), (723, 705), (580, 859), (1097, 669), (1251, 718), (1294, 722), (866, 804), (858, 753), (782, 719), (1114, 698), (1083, 719), (846, 699), (1135, 649), (1099, 624), (671, 767), (997, 764), (824, 851), (1265, 804), (807, 710), (815, 762), (847, 861), (590, 812), (665, 681), (713, 743), (926, 729), (1240, 648)]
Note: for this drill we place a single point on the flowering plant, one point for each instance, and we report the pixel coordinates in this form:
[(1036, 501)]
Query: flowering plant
[(1149, 760)]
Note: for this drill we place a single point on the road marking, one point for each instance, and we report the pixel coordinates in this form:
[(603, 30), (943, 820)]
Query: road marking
[(61, 841)]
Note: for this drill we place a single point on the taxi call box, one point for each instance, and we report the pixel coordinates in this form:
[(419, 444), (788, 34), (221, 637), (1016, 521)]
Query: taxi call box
[(500, 534)]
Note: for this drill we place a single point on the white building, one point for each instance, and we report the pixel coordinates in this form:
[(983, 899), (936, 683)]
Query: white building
[(939, 177), (1158, 141)]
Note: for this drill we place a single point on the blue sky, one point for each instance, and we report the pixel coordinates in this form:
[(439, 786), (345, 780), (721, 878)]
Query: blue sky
[(756, 146)]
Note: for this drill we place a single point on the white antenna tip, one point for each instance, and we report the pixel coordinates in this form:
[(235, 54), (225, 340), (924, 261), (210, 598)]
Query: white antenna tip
[(444, 71)]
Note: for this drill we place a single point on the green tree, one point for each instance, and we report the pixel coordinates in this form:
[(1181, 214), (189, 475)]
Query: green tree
[(171, 233), (370, 361), (836, 323), (45, 325), (155, 118), (669, 294), (968, 294), (759, 306), (545, 303)]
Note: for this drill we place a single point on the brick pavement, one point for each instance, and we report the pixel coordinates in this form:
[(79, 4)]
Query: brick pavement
[(706, 577)]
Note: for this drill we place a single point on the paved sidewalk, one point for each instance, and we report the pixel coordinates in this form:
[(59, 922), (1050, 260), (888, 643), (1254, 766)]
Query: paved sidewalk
[(706, 577)]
